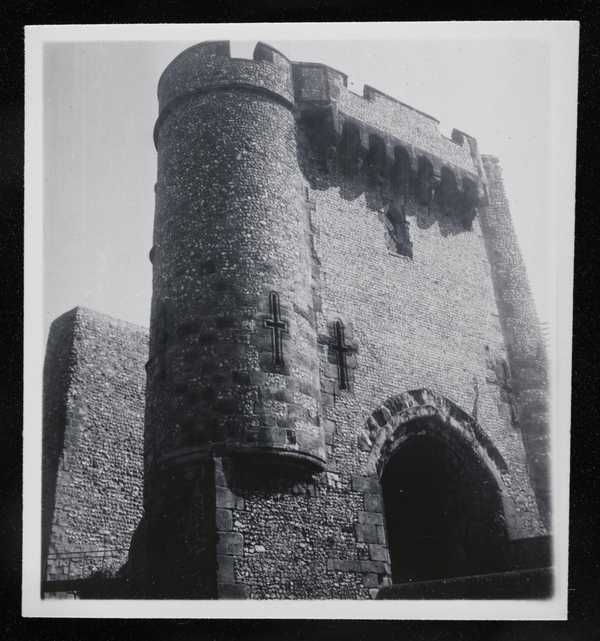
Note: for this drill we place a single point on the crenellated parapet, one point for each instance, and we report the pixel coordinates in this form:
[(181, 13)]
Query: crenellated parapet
[(208, 67), (317, 85), (399, 148)]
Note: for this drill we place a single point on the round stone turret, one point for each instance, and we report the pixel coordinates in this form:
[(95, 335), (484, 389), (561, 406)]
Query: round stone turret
[(233, 349)]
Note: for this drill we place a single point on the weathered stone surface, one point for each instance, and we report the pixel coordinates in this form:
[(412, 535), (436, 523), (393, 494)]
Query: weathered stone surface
[(231, 543), (225, 498), (373, 503), (366, 484), (93, 442), (225, 573), (343, 565), (275, 177), (232, 591), (370, 518), (528, 378), (379, 553), (224, 520), (373, 566), (371, 581), (367, 533), (226, 122)]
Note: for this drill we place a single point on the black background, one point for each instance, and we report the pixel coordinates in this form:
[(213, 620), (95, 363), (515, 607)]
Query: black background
[(584, 560)]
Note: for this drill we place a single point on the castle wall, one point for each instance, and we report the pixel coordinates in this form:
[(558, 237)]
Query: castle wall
[(93, 435), (413, 127), (274, 177), (380, 113), (430, 321), (524, 342)]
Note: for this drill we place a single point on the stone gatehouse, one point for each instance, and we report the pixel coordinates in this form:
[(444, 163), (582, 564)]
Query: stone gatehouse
[(343, 391)]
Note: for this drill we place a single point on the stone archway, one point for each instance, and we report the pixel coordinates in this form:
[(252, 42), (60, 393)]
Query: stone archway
[(443, 496)]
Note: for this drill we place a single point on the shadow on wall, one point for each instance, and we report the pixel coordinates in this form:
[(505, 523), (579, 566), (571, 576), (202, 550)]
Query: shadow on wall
[(56, 385), (405, 184)]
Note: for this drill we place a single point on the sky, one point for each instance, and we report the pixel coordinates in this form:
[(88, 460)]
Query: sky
[(100, 163)]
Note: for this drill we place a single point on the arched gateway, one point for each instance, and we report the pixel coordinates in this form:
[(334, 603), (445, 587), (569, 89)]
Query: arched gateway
[(445, 507)]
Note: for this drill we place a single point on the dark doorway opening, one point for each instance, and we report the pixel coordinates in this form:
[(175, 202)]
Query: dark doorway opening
[(443, 511)]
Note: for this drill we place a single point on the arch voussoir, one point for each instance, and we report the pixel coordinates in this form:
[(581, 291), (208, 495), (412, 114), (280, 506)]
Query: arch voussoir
[(389, 423)]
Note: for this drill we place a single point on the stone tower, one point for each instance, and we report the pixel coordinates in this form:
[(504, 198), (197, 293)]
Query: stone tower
[(326, 301), (346, 384), (233, 344)]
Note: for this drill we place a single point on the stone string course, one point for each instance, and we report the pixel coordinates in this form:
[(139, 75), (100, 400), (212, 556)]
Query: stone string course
[(274, 177)]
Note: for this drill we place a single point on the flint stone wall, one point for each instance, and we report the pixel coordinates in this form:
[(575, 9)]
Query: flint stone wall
[(426, 321), (93, 439), (430, 321)]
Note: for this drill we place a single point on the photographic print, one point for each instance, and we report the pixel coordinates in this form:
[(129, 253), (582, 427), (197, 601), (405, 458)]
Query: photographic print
[(300, 333)]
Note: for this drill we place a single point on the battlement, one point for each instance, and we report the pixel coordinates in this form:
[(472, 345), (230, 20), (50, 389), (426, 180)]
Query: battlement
[(372, 127), (208, 66), (375, 112), (370, 93)]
